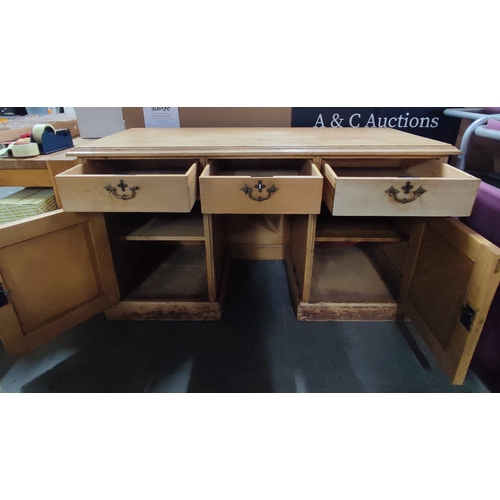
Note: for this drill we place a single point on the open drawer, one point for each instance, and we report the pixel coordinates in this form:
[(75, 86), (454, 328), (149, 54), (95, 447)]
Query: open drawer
[(150, 185), (397, 188), (261, 186)]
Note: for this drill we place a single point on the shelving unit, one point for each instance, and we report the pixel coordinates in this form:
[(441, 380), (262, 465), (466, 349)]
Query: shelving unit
[(355, 229), (346, 279), (165, 266)]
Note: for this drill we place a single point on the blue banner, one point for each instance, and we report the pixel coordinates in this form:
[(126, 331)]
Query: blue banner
[(425, 122)]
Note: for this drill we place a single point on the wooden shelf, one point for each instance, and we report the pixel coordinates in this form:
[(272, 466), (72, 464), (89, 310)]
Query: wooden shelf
[(355, 230), (157, 227), (167, 227)]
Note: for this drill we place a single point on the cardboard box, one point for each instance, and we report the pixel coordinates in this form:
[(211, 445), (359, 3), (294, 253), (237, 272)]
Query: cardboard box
[(26, 203), (95, 123), (219, 117)]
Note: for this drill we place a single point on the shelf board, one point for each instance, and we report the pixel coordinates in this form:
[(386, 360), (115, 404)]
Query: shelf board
[(166, 227), (355, 230), (171, 273)]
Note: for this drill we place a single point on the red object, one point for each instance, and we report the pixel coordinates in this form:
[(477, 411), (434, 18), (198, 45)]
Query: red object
[(24, 136)]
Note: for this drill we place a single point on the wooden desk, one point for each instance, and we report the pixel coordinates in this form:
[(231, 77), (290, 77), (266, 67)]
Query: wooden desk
[(394, 251)]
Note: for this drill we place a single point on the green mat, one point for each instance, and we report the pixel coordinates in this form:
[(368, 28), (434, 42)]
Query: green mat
[(26, 203)]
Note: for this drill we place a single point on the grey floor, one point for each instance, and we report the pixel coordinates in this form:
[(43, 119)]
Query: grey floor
[(258, 346)]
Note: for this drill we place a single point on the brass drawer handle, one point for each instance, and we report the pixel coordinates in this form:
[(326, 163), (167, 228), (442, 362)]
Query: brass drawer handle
[(110, 189), (392, 191), (259, 186)]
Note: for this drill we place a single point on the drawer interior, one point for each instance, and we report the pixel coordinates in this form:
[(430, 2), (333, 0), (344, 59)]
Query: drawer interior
[(266, 167), (432, 169), (134, 167)]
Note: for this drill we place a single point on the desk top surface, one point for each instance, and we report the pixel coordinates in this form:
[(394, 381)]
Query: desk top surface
[(263, 142)]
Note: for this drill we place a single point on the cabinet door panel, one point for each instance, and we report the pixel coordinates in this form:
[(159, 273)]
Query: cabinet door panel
[(447, 289), (59, 272)]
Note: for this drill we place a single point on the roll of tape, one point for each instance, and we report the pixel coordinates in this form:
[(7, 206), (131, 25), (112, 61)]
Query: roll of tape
[(5, 151), (24, 150), (39, 129)]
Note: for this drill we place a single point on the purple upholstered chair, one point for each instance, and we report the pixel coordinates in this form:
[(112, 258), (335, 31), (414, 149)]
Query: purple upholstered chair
[(485, 220)]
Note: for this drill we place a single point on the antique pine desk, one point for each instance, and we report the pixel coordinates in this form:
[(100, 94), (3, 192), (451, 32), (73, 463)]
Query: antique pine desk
[(365, 220)]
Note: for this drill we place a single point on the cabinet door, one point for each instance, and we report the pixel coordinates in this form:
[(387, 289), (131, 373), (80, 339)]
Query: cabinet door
[(57, 270), (451, 278)]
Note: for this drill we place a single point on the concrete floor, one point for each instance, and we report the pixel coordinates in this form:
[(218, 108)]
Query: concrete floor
[(258, 346)]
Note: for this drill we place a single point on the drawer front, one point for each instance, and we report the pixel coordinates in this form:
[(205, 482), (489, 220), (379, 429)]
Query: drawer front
[(427, 189), (258, 193), (83, 190)]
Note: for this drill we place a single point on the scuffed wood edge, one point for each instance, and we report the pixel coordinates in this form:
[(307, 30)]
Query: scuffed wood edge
[(326, 311)]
